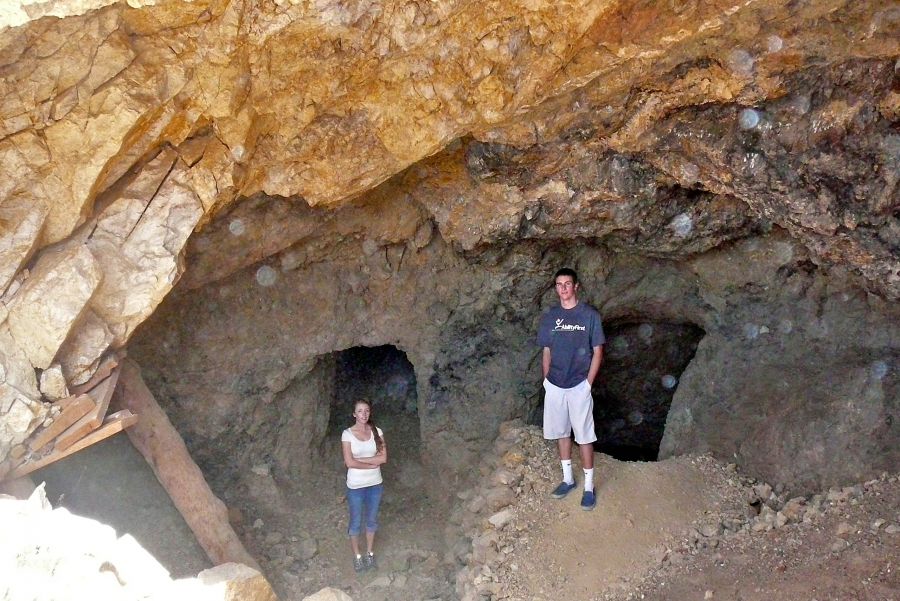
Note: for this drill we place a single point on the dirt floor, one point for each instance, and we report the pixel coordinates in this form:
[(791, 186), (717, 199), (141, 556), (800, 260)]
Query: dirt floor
[(693, 528), (297, 530), (688, 528), (112, 483)]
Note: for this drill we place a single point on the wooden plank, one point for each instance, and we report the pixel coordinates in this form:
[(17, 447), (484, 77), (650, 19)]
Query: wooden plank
[(106, 367), (100, 395), (63, 404), (163, 448), (116, 422), (75, 410)]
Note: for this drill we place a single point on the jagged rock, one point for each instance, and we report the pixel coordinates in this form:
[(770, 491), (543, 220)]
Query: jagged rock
[(45, 309), (20, 403), (498, 498), (53, 383), (81, 354), (20, 230), (138, 240), (794, 509)]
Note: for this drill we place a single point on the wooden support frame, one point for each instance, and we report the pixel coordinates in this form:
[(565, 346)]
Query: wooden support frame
[(113, 424), (163, 448)]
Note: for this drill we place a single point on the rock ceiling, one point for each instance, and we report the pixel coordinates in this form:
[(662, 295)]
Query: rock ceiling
[(660, 127)]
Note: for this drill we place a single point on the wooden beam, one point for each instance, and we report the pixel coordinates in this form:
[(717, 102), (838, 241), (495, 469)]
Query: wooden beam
[(100, 396), (163, 448), (106, 366), (74, 410), (114, 424)]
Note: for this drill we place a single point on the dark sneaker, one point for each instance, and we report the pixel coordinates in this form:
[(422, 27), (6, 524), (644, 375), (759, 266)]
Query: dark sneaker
[(588, 500), (359, 565), (369, 561), (562, 490)]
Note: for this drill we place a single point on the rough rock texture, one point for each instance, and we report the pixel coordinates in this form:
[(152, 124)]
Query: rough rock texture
[(407, 173), (757, 301)]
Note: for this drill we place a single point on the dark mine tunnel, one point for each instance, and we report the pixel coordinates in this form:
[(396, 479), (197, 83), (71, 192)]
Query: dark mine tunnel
[(384, 376), (642, 366)]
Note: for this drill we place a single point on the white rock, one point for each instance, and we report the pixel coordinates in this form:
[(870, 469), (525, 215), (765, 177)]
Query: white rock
[(81, 353), (43, 311), (329, 594), (138, 241), (53, 383), (18, 239), (501, 518), (261, 469)]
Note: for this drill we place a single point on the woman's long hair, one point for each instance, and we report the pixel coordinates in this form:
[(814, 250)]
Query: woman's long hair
[(379, 443)]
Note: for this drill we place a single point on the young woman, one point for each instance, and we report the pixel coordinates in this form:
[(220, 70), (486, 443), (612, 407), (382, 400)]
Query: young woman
[(364, 454)]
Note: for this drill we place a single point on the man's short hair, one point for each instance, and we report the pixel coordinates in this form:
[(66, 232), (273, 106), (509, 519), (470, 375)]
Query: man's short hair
[(569, 272)]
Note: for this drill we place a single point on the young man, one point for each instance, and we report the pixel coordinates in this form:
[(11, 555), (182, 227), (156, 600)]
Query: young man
[(572, 338)]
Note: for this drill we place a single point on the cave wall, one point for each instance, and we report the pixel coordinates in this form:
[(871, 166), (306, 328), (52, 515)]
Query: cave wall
[(248, 347), (800, 372), (788, 346)]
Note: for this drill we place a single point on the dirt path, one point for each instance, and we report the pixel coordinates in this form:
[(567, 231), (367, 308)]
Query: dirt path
[(686, 528), (639, 506)]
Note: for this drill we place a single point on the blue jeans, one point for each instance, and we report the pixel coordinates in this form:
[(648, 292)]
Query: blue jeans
[(370, 496)]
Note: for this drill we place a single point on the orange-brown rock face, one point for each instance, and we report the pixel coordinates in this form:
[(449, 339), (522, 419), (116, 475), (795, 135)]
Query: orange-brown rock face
[(661, 128)]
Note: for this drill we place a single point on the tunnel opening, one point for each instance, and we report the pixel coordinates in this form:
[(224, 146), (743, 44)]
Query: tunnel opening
[(384, 376), (642, 366)]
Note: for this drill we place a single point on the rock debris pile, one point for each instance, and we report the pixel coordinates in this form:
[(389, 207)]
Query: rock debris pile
[(506, 532)]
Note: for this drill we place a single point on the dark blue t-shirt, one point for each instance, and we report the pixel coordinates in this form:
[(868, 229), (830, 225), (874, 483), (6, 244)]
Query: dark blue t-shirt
[(571, 335)]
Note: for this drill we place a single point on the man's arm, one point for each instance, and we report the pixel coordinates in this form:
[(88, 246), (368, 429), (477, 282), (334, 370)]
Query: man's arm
[(596, 360), (545, 361)]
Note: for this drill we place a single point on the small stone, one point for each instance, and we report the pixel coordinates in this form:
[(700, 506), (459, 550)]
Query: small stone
[(780, 520), (501, 518), (838, 496), (762, 491), (877, 524), (711, 529), (708, 595), (892, 529), (843, 529), (477, 504), (273, 538), (380, 582), (261, 469), (794, 509), (258, 523), (308, 548)]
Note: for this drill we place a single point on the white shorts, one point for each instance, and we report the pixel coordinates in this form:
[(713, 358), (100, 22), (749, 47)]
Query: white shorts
[(568, 409)]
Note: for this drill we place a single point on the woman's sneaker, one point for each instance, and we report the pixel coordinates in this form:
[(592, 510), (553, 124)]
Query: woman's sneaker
[(369, 561), (359, 564)]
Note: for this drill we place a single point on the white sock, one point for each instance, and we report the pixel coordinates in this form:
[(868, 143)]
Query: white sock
[(568, 478), (589, 479)]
